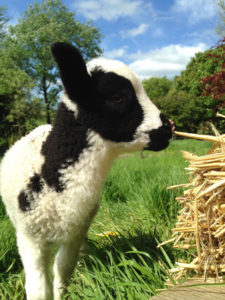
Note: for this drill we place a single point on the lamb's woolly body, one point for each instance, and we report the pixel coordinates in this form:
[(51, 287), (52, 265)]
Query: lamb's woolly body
[(55, 217), (19, 164), (51, 179)]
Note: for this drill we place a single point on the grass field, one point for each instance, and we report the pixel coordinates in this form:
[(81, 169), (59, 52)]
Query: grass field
[(134, 203)]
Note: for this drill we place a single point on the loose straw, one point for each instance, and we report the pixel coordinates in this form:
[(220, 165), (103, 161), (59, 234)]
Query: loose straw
[(197, 231), (209, 138)]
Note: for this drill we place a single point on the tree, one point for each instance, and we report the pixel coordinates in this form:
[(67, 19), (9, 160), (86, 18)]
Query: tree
[(190, 79), (189, 83), (214, 84), (15, 85), (3, 21), (157, 87), (184, 109), (220, 29), (183, 102), (181, 99), (24, 116), (29, 44)]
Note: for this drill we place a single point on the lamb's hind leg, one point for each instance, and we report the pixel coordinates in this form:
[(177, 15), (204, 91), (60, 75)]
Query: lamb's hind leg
[(65, 262), (36, 261)]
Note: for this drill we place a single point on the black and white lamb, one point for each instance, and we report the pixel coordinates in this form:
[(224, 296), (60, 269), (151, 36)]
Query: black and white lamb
[(51, 179)]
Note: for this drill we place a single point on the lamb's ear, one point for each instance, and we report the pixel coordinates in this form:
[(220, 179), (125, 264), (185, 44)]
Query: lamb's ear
[(73, 72)]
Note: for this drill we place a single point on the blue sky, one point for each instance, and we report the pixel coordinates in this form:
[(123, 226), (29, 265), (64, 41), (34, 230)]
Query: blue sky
[(154, 37)]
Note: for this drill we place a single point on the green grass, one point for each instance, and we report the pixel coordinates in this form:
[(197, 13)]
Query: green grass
[(135, 203)]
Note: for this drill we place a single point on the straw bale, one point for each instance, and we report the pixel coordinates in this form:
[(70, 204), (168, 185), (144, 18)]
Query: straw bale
[(200, 225)]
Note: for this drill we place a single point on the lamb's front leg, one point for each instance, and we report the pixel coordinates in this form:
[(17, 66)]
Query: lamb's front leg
[(65, 262), (36, 261)]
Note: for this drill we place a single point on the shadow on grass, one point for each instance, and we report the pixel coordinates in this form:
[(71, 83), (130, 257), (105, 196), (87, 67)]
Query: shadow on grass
[(130, 246)]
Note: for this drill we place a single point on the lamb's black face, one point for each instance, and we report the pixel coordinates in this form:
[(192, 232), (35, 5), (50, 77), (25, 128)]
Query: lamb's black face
[(118, 112), (111, 101)]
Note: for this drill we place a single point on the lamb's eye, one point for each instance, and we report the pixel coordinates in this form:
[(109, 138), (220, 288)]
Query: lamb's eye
[(115, 101), (118, 101)]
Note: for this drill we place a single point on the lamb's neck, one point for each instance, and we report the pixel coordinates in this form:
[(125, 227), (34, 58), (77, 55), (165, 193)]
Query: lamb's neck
[(74, 153), (100, 154), (93, 165)]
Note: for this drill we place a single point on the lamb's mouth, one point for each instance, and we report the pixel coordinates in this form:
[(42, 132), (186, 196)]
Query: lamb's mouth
[(157, 145), (159, 138)]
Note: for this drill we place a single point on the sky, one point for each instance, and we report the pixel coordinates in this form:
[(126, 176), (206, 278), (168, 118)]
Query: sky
[(154, 37)]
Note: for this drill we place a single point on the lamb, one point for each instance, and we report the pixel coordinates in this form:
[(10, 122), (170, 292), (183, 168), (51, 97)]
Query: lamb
[(50, 180)]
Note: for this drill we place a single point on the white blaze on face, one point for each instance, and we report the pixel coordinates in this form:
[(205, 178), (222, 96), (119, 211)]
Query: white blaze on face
[(151, 118)]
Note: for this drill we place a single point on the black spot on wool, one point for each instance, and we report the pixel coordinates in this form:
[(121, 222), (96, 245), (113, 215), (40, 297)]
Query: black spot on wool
[(25, 201), (26, 198), (35, 183)]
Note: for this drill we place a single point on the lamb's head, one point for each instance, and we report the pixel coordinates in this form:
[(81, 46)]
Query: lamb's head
[(114, 100)]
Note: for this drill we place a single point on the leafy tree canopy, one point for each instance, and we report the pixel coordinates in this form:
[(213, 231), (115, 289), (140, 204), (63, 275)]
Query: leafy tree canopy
[(29, 41), (3, 21), (29, 79), (214, 84), (181, 99), (157, 87), (220, 29), (15, 85), (190, 80)]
